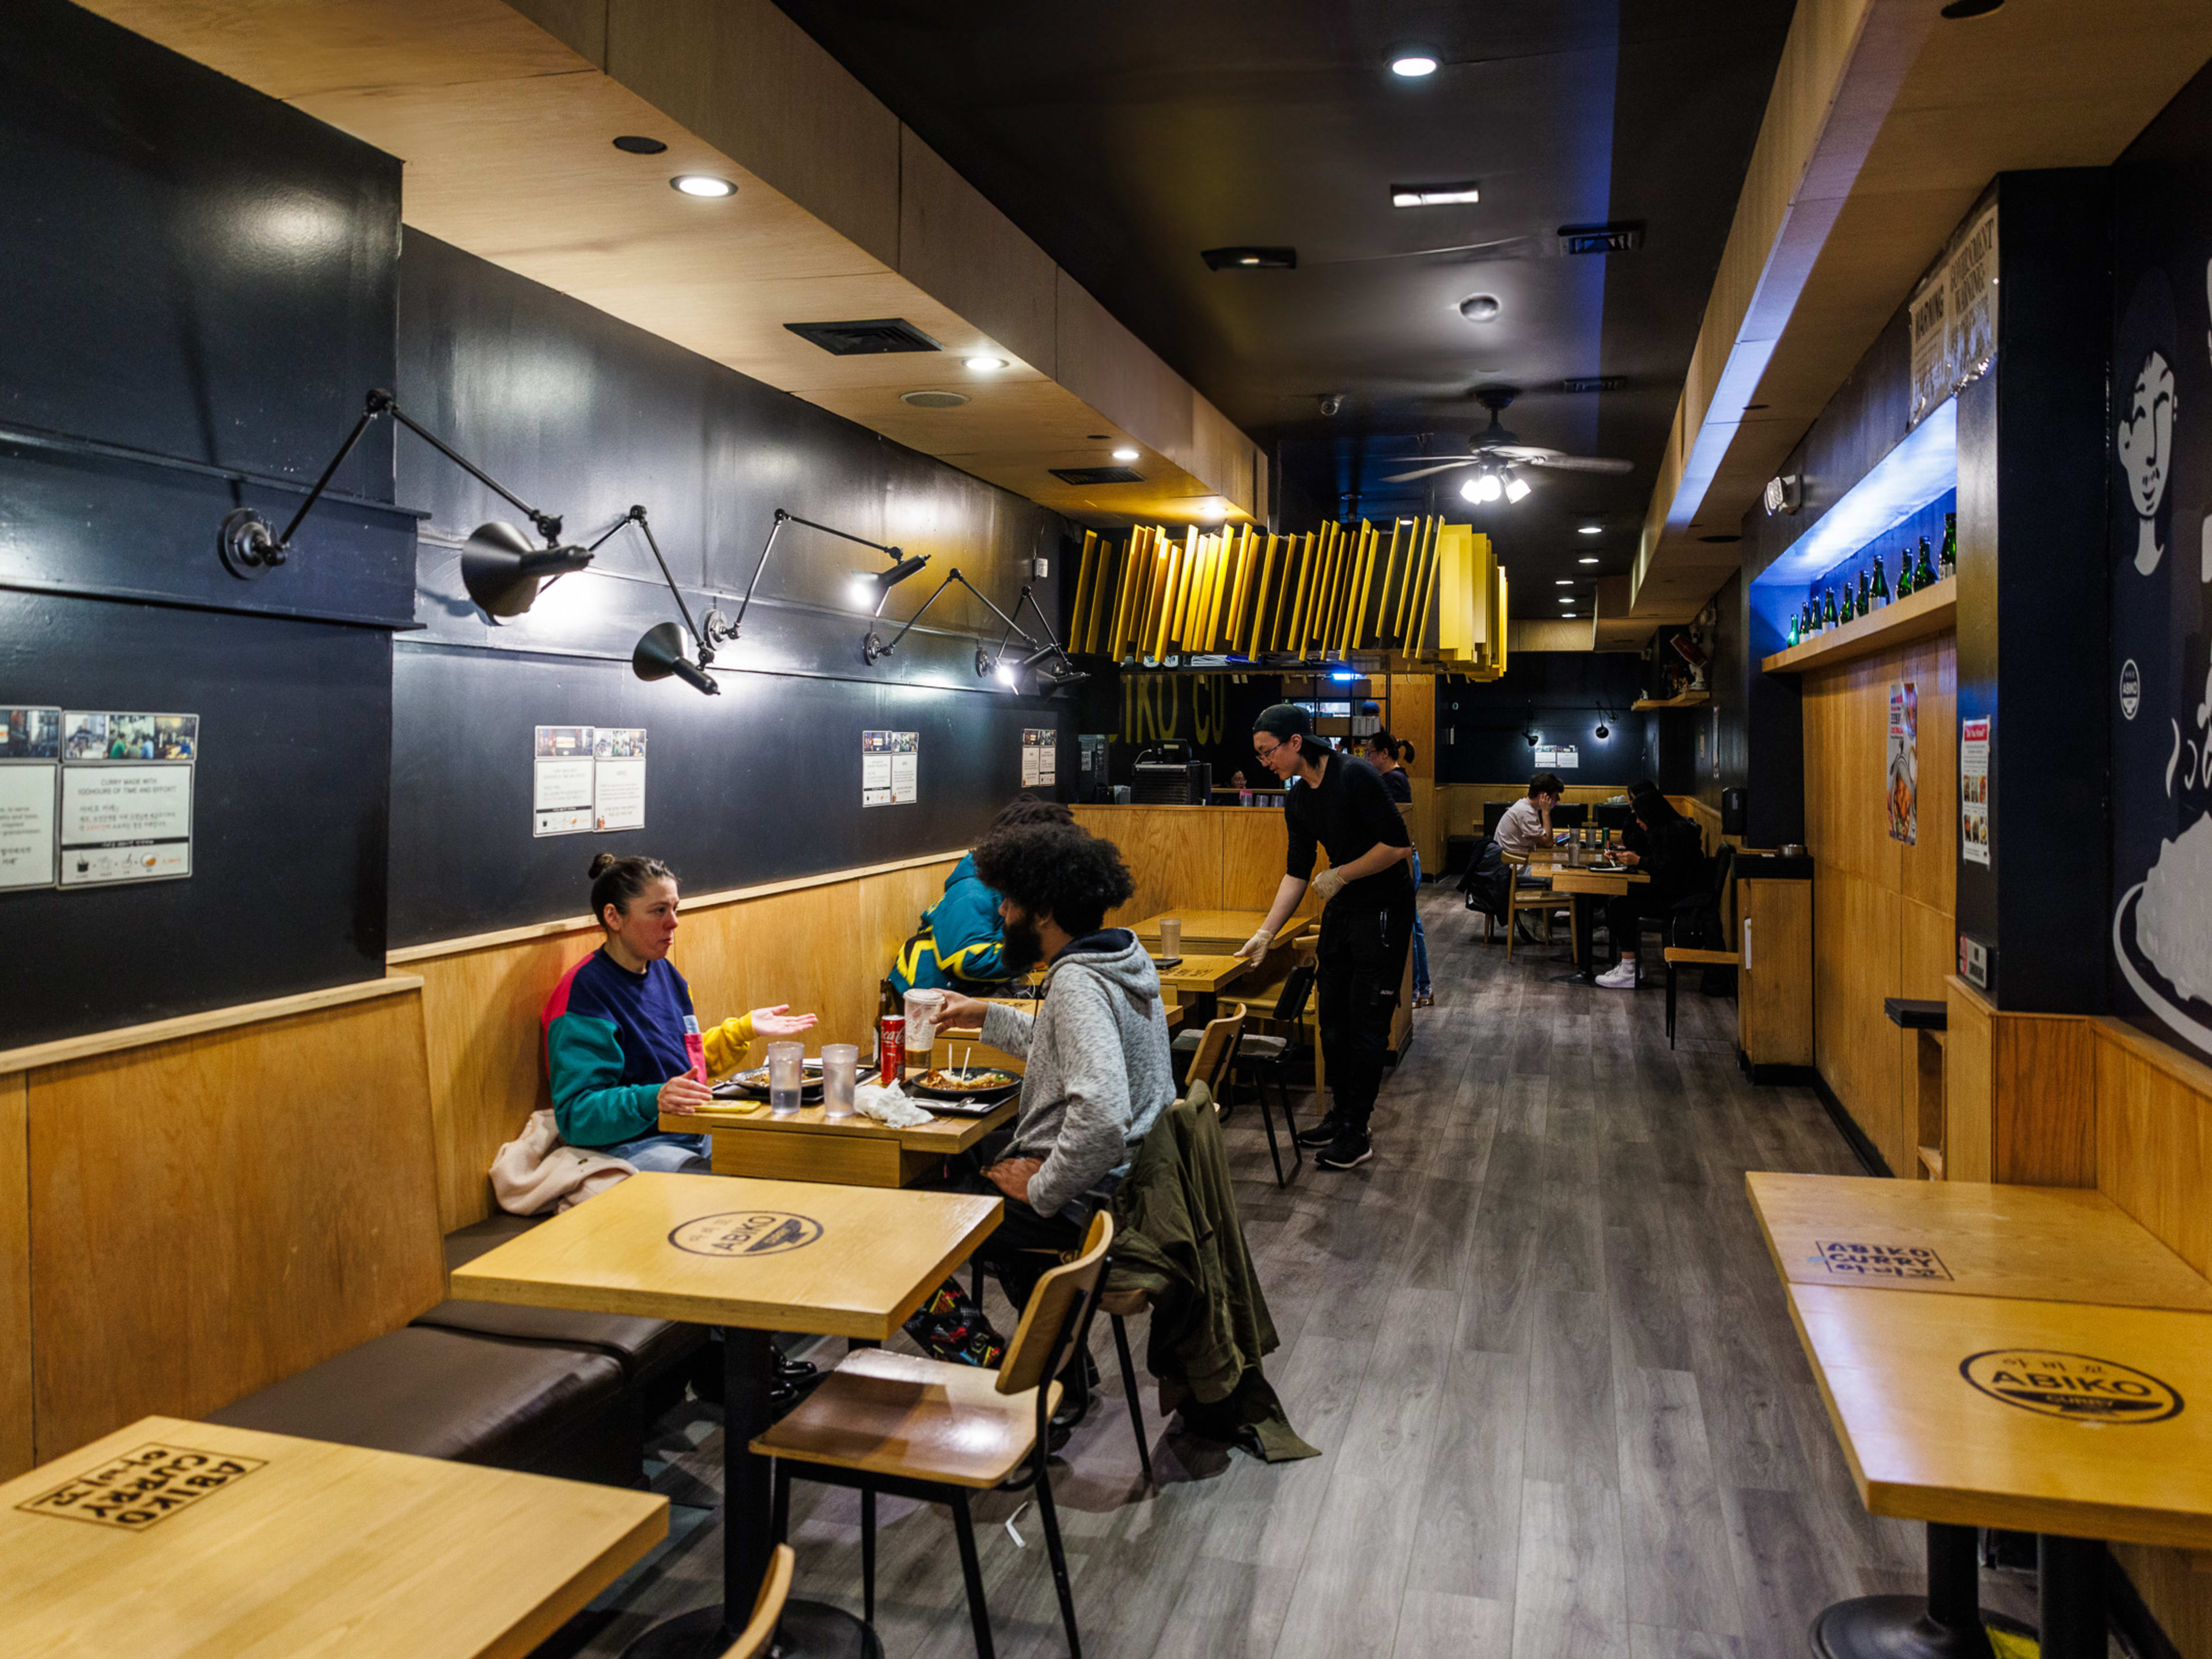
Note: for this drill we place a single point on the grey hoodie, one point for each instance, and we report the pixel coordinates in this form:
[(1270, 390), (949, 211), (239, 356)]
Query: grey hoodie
[(1098, 1070)]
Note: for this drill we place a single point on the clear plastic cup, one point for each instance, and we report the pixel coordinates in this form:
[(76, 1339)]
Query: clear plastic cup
[(841, 1068), (1171, 936), (787, 1076), (922, 1008)]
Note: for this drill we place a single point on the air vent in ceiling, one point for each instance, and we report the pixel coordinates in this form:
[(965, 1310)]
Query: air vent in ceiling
[(1098, 475), (1595, 383), (1622, 238), (871, 335), (928, 398)]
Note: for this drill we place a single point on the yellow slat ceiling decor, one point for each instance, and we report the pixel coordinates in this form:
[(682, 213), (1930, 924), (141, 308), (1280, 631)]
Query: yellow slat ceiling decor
[(1420, 591)]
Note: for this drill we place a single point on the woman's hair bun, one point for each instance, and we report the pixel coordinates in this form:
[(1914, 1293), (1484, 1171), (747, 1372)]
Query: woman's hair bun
[(601, 863)]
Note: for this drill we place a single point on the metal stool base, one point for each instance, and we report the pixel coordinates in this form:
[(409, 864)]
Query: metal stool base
[(808, 1630), (1898, 1627)]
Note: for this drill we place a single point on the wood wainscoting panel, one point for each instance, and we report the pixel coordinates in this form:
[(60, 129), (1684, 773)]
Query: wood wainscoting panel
[(17, 1452), (1857, 961), (2153, 1155), (2045, 1131), (209, 1216), (1174, 854), (1968, 1083)]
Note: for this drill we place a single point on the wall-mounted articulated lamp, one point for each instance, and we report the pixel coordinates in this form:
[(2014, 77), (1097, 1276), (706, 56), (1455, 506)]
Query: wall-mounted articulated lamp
[(868, 586), (501, 569), (1047, 658), (659, 650)]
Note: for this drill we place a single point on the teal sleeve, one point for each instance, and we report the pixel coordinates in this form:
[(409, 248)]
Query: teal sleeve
[(970, 944), (592, 1107)]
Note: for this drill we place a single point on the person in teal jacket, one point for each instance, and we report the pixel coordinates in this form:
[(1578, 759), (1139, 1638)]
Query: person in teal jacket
[(621, 1042), (959, 945)]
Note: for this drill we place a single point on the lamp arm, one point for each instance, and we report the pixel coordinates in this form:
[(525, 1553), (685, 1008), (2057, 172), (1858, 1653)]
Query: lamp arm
[(330, 471), (874, 650), (383, 402), (637, 515), (845, 535), (783, 516)]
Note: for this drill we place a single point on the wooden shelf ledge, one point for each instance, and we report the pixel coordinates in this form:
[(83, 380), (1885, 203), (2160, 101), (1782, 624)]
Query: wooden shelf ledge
[(1685, 700), (1931, 610), (63, 1050)]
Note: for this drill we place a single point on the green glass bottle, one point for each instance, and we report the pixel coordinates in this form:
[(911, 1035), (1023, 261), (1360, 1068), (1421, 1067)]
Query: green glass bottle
[(1808, 623), (1904, 572), (1828, 617), (1793, 631), (1866, 592), (1845, 610), (1923, 572), (1881, 594), (1947, 561)]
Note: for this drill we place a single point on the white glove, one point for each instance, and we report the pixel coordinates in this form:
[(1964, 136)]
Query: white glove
[(1328, 883), (1256, 948)]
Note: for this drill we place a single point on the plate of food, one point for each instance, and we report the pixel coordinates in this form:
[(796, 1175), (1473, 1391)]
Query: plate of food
[(972, 1085), (751, 1083)]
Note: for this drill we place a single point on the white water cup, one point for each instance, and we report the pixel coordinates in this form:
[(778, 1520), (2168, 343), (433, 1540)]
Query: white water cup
[(786, 1075), (841, 1068), (922, 1009)]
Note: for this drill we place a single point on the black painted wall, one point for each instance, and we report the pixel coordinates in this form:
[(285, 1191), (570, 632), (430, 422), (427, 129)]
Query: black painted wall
[(583, 414), (1563, 696), (202, 278)]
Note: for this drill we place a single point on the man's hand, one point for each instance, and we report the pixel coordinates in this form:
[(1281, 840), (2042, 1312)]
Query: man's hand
[(1011, 1176), (1256, 948), (684, 1094), (779, 1022), (1328, 884), (954, 1009)]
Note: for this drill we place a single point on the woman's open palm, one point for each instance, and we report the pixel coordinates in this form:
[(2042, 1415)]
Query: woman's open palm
[(779, 1022)]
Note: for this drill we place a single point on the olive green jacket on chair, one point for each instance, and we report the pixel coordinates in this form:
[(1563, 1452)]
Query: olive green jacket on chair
[(1178, 1238)]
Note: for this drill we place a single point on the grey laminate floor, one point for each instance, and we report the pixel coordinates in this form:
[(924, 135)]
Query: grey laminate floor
[(1562, 1407)]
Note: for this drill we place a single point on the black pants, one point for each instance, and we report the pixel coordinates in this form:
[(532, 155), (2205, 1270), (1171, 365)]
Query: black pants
[(1360, 963), (1625, 914), (1024, 1246)]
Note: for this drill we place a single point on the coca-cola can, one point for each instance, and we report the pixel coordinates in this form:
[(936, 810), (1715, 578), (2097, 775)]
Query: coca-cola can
[(890, 1046)]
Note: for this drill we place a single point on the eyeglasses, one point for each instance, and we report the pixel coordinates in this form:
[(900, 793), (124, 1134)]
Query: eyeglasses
[(1264, 753)]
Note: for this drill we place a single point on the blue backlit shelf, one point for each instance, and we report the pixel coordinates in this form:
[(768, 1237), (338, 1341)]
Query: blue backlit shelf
[(1931, 610)]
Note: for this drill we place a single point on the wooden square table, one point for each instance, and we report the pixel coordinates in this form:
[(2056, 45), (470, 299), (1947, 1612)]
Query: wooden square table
[(1209, 931), (1577, 883), (1997, 1356), (175, 1538), (753, 1257)]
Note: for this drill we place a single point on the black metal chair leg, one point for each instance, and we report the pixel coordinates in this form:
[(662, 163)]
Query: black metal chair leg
[(1290, 1124), (1129, 1388), (868, 1553), (780, 1519), (1670, 1004), (975, 1281), (1052, 1546), (964, 1527), (1274, 1155)]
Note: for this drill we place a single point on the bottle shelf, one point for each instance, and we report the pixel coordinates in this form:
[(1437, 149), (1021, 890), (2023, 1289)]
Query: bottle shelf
[(1930, 611), (1681, 700)]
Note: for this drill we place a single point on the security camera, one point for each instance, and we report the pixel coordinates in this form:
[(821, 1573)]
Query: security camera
[(1331, 402)]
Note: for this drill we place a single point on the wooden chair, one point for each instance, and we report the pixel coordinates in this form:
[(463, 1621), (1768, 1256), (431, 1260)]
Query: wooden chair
[(1519, 898), (1215, 1051), (753, 1640), (926, 1430), (1686, 957)]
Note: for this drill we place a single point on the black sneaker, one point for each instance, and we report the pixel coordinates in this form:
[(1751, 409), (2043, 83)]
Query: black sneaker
[(1346, 1151), (1322, 1134)]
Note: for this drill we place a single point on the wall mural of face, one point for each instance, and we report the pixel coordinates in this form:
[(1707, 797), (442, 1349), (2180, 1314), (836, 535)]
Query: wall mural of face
[(2145, 453)]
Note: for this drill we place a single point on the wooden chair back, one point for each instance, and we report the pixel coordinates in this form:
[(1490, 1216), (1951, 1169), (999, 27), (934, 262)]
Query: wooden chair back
[(1034, 1354), (1518, 860), (754, 1639), (1216, 1049)]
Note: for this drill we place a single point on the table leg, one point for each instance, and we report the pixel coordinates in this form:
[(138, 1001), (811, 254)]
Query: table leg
[(1583, 927), (2070, 1594), (1948, 1623), (809, 1630)]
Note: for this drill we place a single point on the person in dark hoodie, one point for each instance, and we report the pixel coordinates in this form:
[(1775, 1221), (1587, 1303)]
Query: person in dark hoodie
[(958, 946), (1098, 1070)]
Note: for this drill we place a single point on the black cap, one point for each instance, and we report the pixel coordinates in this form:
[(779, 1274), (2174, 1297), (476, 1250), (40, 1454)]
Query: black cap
[(1284, 719)]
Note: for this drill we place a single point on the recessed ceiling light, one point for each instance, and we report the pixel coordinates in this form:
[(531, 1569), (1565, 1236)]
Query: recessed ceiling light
[(1593, 530), (1412, 63), (985, 363), (1479, 307), (1564, 581), (702, 184), (1413, 196), (1100, 437), (1251, 258), (1565, 599), (637, 145), (1213, 510), (1127, 455), (1585, 561), (933, 399)]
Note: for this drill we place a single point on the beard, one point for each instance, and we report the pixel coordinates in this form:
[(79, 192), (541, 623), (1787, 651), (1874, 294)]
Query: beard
[(1023, 949)]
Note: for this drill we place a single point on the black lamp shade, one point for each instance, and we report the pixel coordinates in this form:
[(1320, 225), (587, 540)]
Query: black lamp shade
[(502, 571), (660, 652)]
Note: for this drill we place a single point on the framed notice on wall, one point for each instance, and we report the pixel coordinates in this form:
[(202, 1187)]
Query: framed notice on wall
[(585, 778), (1904, 772), (30, 764), (618, 777), (126, 812), (1040, 758), (1974, 790), (890, 768)]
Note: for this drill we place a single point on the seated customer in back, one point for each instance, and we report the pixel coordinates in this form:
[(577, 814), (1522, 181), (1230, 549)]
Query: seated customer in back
[(619, 1028), (1527, 825), (958, 946), (1668, 847), (1098, 1070)]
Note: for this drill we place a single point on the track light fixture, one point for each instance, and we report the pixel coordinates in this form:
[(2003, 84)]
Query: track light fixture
[(501, 569)]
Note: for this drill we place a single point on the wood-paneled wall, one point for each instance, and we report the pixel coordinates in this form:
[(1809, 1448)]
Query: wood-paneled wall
[(207, 1215), (821, 946), (1195, 858), (16, 1451), (1883, 908)]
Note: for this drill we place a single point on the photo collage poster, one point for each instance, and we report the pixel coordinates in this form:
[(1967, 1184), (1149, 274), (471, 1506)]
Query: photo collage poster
[(1040, 757), (30, 764), (125, 805), (890, 768), (586, 779), (2159, 555)]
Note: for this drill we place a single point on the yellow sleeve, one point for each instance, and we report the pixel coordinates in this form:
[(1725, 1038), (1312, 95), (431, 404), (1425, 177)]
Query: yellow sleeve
[(730, 1045)]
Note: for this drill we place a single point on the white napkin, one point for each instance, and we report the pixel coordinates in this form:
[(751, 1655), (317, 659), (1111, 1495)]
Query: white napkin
[(888, 1104)]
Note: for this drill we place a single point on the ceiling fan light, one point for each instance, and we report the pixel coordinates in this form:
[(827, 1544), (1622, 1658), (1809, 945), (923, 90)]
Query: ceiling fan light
[(1517, 489), (1483, 487)]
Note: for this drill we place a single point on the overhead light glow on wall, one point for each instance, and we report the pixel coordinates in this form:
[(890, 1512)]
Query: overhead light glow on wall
[(704, 185), (1213, 511)]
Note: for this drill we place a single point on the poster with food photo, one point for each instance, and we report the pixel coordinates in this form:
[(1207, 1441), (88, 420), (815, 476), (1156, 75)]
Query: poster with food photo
[(1905, 762)]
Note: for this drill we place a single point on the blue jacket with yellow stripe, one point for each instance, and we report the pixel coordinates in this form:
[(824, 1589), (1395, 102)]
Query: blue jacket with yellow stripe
[(959, 945)]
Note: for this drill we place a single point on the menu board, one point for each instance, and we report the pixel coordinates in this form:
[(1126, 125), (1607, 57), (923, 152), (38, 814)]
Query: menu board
[(1040, 758), (126, 812), (587, 777), (1974, 790), (890, 768), (30, 764), (1904, 771)]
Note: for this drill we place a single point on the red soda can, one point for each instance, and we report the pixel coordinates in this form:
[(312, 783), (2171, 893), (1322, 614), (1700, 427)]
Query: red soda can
[(891, 1047)]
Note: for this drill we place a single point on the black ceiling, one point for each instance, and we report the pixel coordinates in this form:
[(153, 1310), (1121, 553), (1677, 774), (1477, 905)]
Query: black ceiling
[(1127, 139)]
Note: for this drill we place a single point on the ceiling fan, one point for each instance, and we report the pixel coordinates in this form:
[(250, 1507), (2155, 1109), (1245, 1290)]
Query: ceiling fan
[(1498, 450)]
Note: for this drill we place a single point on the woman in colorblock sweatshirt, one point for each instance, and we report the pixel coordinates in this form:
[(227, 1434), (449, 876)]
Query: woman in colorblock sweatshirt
[(622, 1044)]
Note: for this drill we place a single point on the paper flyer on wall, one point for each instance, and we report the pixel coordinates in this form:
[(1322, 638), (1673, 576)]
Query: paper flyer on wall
[(1905, 762), (618, 777), (1564, 757), (891, 773), (127, 797), (30, 762), (1040, 757), (563, 785), (1974, 790)]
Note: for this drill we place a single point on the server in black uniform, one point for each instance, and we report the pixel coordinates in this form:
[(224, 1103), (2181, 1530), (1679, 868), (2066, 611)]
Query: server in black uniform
[(1339, 803)]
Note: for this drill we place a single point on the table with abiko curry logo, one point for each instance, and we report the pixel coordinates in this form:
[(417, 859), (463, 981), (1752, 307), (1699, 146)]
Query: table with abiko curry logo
[(2008, 1357), (175, 1538), (753, 1257)]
